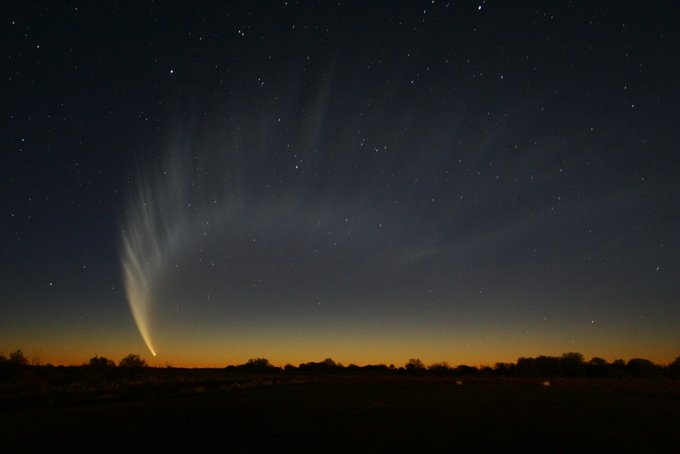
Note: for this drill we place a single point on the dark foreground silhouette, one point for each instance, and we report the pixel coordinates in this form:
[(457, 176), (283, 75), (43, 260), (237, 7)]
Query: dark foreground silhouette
[(542, 404), (539, 404), (336, 414)]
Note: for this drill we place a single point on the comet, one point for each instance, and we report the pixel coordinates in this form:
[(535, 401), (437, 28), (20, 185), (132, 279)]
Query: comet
[(152, 235)]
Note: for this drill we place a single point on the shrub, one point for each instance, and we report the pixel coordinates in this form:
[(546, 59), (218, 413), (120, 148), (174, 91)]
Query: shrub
[(18, 358), (132, 361), (258, 365), (674, 368), (414, 365), (100, 362)]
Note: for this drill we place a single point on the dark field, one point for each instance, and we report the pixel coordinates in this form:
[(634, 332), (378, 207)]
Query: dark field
[(361, 414)]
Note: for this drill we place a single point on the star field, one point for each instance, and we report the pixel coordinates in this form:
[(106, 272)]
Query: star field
[(367, 181)]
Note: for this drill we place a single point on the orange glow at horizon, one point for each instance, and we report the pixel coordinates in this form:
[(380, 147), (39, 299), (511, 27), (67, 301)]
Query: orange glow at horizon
[(349, 352), (63, 342)]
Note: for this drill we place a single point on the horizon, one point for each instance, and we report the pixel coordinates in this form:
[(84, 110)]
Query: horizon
[(155, 362)]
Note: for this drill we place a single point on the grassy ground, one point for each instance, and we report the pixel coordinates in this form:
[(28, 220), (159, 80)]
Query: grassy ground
[(363, 414)]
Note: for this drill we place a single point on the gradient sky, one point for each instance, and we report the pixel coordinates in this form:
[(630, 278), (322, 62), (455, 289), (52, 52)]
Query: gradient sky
[(369, 181)]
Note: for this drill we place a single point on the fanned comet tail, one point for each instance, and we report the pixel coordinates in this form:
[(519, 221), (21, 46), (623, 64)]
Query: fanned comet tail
[(152, 233)]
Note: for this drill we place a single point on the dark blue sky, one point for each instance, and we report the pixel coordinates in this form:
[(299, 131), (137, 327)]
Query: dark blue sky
[(371, 181)]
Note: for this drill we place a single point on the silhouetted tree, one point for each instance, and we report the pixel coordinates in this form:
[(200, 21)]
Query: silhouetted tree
[(526, 367), (465, 371), (4, 367), (12, 366), (486, 371), (258, 365), (415, 366), (674, 368), (639, 367), (568, 365), (597, 367), (100, 362), (504, 369), (571, 364), (617, 369), (99, 369), (376, 368), (548, 366), (330, 364), (17, 358), (325, 366), (441, 368), (132, 361)]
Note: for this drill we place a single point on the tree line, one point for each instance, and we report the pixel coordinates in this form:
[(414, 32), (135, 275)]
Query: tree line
[(568, 365), (18, 359)]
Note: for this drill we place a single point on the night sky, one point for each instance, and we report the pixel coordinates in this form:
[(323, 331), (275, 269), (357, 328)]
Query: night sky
[(368, 181)]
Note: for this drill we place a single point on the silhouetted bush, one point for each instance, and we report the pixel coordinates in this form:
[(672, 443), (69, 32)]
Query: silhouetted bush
[(465, 371), (674, 368), (415, 366), (526, 367), (597, 367), (132, 361), (548, 366), (639, 367), (100, 362), (326, 366), (572, 365), (329, 363), (17, 358), (258, 365), (376, 368), (4, 368), (13, 366), (441, 368), (504, 369), (617, 369), (99, 369)]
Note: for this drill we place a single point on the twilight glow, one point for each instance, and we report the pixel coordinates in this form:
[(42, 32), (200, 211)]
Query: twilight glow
[(370, 182)]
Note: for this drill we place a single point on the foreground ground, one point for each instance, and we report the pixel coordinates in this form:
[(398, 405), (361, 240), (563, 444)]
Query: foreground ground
[(369, 415)]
